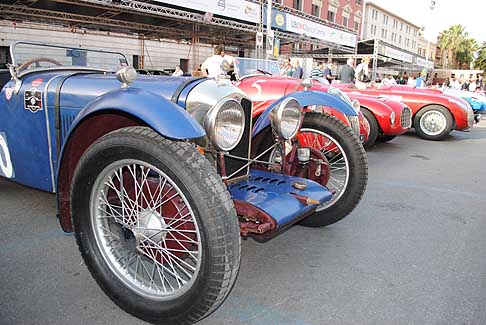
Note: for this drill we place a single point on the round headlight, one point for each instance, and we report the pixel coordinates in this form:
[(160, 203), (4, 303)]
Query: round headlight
[(225, 124), (286, 118), (356, 105), (392, 118)]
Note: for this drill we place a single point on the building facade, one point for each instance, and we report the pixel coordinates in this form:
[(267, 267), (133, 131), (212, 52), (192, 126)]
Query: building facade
[(426, 47), (390, 28), (345, 13)]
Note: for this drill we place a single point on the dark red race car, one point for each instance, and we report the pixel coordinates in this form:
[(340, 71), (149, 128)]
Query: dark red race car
[(434, 114)]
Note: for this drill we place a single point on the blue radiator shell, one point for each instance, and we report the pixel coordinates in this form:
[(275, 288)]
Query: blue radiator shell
[(271, 192)]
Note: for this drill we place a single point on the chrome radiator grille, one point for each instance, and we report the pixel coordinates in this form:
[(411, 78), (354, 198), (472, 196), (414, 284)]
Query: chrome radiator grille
[(354, 120), (406, 118)]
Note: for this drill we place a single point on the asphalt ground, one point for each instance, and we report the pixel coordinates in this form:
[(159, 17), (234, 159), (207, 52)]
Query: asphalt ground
[(413, 251)]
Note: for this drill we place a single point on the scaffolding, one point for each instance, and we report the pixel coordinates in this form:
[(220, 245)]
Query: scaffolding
[(157, 21)]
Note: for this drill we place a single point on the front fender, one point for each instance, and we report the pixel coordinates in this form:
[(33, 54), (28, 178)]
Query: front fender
[(305, 98), (165, 117)]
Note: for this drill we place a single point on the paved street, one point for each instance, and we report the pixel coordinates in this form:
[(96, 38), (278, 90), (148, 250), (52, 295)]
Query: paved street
[(412, 252)]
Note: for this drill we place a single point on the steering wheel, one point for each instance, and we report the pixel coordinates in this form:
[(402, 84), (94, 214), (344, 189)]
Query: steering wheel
[(26, 64)]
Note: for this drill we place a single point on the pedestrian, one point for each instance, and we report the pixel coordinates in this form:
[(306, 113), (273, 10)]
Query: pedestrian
[(297, 69), (346, 73), (455, 84), (419, 82), (316, 72), (286, 70), (327, 73), (362, 73), (212, 66), (178, 71), (472, 85), (411, 81)]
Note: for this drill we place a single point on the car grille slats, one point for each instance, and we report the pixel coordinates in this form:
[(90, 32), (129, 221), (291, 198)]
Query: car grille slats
[(406, 118)]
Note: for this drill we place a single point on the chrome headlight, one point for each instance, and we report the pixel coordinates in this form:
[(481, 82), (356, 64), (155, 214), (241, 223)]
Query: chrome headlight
[(224, 124), (392, 118), (286, 118)]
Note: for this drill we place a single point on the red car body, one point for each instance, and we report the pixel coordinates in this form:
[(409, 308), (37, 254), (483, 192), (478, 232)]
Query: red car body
[(381, 109), (264, 90), (418, 100)]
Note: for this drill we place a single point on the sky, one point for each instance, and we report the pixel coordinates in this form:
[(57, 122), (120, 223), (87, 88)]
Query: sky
[(469, 13)]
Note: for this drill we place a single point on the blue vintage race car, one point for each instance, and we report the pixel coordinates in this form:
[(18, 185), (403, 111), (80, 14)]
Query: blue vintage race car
[(158, 176)]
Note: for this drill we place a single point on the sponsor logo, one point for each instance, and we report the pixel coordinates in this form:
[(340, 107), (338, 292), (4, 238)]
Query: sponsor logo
[(37, 82), (33, 100), (279, 20), (6, 168), (8, 93)]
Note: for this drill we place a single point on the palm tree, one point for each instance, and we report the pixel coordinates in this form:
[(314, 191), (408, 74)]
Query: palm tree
[(466, 53), (480, 62), (452, 40)]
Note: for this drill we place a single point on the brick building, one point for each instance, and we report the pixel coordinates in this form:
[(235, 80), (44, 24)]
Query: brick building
[(345, 13)]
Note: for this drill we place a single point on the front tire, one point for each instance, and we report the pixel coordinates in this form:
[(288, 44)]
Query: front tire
[(433, 123), (155, 226), (349, 159), (374, 128)]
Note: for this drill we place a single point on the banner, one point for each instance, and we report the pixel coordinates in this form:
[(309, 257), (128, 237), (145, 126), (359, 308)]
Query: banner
[(270, 40), (291, 23), (309, 28), (425, 63), (237, 9), (396, 54)]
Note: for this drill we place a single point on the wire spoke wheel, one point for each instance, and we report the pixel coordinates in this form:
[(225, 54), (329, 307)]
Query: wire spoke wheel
[(145, 229), (337, 159), (155, 226), (433, 122)]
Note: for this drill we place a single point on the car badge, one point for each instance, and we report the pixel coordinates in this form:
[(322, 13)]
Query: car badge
[(8, 93)]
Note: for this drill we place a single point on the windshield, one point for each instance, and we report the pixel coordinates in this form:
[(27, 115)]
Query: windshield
[(28, 56), (246, 66)]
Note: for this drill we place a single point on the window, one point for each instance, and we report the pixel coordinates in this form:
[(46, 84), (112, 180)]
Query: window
[(383, 33), (385, 19), (298, 4), (395, 23), (401, 26), (316, 10), (345, 21), (400, 40), (358, 2), (374, 14), (356, 26), (373, 29), (331, 16)]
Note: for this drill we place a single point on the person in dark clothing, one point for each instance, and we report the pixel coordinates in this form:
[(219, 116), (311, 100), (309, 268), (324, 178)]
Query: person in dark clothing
[(327, 72), (346, 73)]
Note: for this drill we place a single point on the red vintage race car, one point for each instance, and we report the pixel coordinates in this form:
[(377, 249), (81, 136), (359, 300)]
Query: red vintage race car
[(434, 114), (381, 119), (386, 117)]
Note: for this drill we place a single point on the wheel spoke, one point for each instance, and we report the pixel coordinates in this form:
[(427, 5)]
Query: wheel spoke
[(146, 230)]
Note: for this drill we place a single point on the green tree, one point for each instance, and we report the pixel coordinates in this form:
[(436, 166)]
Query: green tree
[(453, 40), (465, 54), (480, 62)]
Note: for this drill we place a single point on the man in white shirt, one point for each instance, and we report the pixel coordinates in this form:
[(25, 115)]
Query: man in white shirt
[(178, 71), (212, 66)]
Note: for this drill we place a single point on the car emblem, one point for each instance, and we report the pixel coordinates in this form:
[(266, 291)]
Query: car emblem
[(8, 93)]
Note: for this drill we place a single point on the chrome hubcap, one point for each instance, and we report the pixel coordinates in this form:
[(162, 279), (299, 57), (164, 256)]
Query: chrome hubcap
[(433, 123), (145, 229)]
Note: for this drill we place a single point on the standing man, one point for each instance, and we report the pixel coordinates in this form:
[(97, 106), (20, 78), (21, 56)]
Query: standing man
[(346, 73), (212, 66), (317, 71), (298, 72), (328, 72)]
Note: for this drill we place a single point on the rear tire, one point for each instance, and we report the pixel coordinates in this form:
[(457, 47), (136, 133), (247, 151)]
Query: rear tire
[(433, 122), (155, 225), (374, 128)]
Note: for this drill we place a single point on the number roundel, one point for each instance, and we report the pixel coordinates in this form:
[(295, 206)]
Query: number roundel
[(6, 167)]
